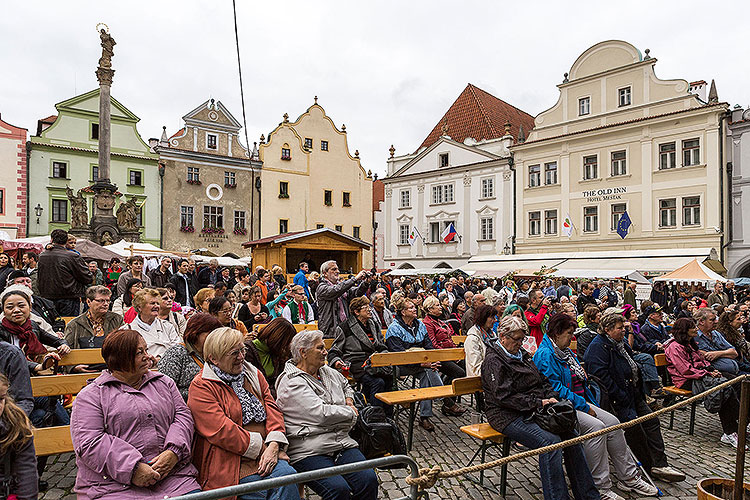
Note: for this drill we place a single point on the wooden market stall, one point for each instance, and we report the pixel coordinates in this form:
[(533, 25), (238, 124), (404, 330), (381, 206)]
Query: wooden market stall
[(315, 246)]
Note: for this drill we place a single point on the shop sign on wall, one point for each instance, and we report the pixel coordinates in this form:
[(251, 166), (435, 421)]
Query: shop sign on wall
[(614, 193)]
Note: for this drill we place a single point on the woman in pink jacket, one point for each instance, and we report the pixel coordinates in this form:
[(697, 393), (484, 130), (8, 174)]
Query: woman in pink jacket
[(690, 370), (132, 431)]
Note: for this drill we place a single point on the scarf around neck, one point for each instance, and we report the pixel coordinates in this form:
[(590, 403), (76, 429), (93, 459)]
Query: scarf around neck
[(620, 347), (28, 341), (567, 356), (252, 409)]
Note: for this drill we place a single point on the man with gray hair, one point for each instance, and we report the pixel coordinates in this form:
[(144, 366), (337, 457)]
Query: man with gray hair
[(332, 296)]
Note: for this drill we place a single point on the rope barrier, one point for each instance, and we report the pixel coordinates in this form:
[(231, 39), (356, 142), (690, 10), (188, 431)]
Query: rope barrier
[(428, 476)]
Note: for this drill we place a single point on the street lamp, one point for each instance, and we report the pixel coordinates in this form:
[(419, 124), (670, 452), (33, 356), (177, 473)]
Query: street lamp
[(38, 209)]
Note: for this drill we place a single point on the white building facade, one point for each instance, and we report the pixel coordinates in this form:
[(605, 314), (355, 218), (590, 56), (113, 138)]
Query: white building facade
[(738, 152)]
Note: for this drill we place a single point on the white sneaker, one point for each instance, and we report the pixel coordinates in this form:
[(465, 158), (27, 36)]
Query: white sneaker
[(609, 495), (639, 486), (668, 474), (729, 439)]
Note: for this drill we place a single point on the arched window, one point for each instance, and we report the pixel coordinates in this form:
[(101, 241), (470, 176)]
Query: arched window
[(286, 152)]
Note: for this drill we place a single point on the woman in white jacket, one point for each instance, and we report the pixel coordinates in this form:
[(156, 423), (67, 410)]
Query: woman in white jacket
[(477, 338), (159, 334), (318, 407)]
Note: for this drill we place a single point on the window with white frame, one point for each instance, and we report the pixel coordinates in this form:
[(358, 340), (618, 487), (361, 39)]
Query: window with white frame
[(488, 187), (442, 193), (691, 211), (617, 210), (550, 221), (404, 198), (535, 223), (283, 226), (486, 228), (624, 96), (535, 175), (230, 178), (584, 106), (324, 145), (355, 231), (59, 210), (239, 219), (443, 160), (193, 174), (59, 170), (590, 219), (403, 234), (668, 212), (211, 141), (667, 156), (213, 217), (691, 152), (550, 173), (590, 167), (619, 163), (435, 232), (186, 216)]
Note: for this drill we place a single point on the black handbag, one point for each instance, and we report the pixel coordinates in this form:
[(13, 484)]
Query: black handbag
[(376, 434), (558, 418)]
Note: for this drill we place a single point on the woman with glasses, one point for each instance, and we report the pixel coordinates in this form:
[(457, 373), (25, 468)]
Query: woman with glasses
[(222, 309), (167, 313), (89, 330), (240, 433)]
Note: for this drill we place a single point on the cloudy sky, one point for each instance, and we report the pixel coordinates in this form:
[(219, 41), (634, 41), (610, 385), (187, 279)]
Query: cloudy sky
[(387, 69)]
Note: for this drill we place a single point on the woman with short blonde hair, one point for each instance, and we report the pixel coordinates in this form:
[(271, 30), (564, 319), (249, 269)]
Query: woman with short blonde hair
[(159, 334)]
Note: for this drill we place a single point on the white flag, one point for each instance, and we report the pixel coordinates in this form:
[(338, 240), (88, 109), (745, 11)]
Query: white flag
[(567, 226), (414, 234)]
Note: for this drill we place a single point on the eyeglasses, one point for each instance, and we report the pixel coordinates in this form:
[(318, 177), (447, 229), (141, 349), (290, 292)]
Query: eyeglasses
[(226, 311), (235, 353), (102, 300)]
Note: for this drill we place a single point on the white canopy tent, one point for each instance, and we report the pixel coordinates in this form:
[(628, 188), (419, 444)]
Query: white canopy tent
[(605, 274), (223, 261), (427, 271), (127, 248), (693, 272)]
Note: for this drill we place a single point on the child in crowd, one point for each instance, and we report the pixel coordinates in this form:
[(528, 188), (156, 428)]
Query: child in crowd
[(18, 480)]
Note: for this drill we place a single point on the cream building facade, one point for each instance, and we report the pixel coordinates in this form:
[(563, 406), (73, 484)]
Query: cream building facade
[(311, 180), (210, 196), (738, 149), (620, 139)]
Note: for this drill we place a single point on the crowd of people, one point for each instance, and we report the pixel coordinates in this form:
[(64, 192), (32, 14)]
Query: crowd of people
[(207, 383)]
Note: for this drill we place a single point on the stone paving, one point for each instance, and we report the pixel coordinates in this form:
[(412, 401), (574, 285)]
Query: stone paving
[(698, 456)]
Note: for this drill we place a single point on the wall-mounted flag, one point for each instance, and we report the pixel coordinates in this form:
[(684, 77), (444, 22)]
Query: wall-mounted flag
[(414, 234), (567, 226), (449, 233), (623, 225)]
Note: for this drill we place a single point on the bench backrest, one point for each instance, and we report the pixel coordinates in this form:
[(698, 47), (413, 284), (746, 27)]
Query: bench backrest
[(660, 359), (328, 343), (416, 357), (57, 385), (466, 385), (299, 328), (458, 339), (82, 357)]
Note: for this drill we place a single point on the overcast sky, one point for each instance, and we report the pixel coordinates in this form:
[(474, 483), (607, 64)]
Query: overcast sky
[(387, 69)]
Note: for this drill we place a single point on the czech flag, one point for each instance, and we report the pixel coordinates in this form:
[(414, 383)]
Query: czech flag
[(449, 233)]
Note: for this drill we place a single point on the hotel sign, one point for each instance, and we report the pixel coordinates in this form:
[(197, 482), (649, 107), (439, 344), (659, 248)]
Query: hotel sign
[(614, 193)]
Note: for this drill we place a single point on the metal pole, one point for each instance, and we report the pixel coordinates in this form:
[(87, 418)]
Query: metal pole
[(739, 466)]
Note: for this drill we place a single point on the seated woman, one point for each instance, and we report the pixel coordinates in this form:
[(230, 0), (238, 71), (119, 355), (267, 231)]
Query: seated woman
[(584, 335), (457, 311), (255, 311), (730, 322), (513, 389), (270, 351), (318, 407), (123, 304), (610, 359), (558, 363), (89, 329), (438, 330), (132, 432), (182, 362), (276, 302), (167, 312), (159, 335), (690, 370), (240, 435), (643, 353), (222, 309), (478, 338), (406, 332), (355, 340), (203, 298)]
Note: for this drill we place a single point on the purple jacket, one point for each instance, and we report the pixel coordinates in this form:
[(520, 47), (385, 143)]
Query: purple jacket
[(114, 427)]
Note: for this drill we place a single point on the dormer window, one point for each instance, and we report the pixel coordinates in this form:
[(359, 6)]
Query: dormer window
[(211, 141), (308, 143), (95, 131), (286, 152), (584, 106), (624, 96), (443, 160)]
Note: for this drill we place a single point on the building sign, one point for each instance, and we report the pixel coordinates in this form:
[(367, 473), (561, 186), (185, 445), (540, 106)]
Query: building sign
[(614, 193), (212, 240)]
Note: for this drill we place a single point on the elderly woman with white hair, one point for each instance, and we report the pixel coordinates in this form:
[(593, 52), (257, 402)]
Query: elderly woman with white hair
[(318, 407)]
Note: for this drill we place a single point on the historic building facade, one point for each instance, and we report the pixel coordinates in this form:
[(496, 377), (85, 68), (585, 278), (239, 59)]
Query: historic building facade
[(312, 181), (738, 152), (211, 199), (13, 189), (64, 153), (461, 175), (619, 140)]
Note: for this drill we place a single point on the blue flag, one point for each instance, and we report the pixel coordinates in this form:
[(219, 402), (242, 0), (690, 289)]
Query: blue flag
[(623, 225)]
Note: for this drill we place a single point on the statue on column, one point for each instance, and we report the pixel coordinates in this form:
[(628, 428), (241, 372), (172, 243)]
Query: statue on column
[(79, 217), (108, 44), (127, 215)]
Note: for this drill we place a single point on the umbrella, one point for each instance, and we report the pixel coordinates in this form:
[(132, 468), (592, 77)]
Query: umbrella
[(90, 250)]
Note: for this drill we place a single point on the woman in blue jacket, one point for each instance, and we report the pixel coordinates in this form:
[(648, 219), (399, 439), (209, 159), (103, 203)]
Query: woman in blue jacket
[(558, 363)]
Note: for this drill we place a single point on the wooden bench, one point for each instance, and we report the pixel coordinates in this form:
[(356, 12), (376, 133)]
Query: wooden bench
[(416, 357), (661, 360), (82, 357), (299, 328), (489, 437), (458, 339)]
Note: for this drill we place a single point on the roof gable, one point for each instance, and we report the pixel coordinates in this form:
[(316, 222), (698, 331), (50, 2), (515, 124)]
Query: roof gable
[(479, 115), (212, 114), (458, 154), (88, 103), (286, 237)]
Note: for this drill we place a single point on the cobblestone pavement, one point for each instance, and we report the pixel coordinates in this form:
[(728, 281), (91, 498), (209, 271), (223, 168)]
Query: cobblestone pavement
[(698, 456)]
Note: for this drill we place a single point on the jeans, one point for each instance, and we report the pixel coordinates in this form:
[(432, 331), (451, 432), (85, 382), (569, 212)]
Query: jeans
[(645, 439), (451, 370), (648, 371), (372, 385), (600, 450), (532, 436), (726, 365), (362, 485), (427, 378), (288, 492), (68, 307)]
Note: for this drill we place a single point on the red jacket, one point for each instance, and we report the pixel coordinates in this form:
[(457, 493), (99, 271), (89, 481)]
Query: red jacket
[(535, 321), (440, 333)]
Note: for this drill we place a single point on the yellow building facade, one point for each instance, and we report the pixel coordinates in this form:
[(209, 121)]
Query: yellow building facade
[(620, 139), (310, 180)]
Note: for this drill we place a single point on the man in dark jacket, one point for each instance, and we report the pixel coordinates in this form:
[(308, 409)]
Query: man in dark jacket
[(333, 296), (586, 298), (183, 284), (13, 365), (63, 275), (653, 328), (160, 276)]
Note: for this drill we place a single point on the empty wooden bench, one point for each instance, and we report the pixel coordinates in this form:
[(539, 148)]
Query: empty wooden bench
[(661, 360)]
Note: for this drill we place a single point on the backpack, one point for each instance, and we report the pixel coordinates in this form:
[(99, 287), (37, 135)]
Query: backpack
[(377, 435)]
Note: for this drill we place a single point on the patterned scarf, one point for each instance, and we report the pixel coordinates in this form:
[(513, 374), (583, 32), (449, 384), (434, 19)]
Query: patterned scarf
[(252, 409), (620, 347), (568, 357), (96, 324)]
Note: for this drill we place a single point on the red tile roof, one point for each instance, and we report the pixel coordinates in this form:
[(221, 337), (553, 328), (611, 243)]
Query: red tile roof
[(50, 119), (378, 194), (481, 116), (179, 132)]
